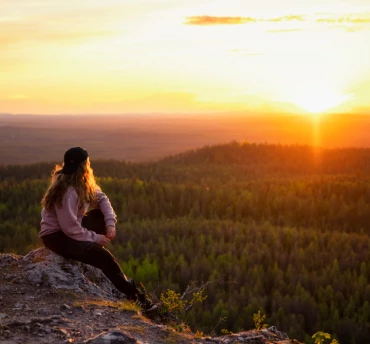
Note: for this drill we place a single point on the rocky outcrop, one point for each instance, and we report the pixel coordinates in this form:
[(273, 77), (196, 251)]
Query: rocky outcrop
[(43, 267), (45, 298)]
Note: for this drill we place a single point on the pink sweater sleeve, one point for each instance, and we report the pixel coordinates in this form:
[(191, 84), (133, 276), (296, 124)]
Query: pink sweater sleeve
[(105, 206), (68, 221)]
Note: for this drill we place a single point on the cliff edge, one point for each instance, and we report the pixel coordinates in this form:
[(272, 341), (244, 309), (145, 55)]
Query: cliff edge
[(45, 298)]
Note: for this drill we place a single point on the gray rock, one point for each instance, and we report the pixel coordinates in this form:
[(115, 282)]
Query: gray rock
[(272, 329), (46, 268), (113, 337), (21, 307), (9, 259), (98, 312), (3, 315), (282, 335), (65, 307)]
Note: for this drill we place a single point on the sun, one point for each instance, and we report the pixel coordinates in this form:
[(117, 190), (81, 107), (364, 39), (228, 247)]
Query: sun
[(317, 99)]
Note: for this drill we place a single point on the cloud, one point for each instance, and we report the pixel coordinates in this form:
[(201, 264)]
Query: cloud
[(287, 18), (347, 28), (350, 19), (326, 20), (351, 22), (212, 20), (359, 20)]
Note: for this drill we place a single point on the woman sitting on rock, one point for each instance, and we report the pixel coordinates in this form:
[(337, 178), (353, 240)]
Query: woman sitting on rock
[(67, 228)]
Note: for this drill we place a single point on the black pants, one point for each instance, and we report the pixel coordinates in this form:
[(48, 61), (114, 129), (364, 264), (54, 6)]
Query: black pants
[(90, 253)]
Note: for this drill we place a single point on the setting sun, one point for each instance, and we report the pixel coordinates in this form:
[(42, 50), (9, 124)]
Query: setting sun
[(318, 99)]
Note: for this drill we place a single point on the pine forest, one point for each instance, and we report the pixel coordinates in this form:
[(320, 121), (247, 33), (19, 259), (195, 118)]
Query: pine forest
[(281, 229)]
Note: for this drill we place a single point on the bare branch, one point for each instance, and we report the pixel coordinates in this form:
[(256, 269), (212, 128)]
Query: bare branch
[(219, 322), (203, 286)]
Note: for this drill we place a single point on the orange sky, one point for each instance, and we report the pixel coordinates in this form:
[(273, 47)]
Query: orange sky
[(184, 56)]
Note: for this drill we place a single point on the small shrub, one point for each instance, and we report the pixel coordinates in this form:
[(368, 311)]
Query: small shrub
[(172, 302), (198, 334), (258, 319), (321, 337)]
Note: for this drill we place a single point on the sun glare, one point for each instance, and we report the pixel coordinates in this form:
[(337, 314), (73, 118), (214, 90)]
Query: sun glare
[(318, 100)]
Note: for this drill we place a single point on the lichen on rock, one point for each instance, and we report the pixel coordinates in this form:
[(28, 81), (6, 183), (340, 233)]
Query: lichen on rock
[(46, 268)]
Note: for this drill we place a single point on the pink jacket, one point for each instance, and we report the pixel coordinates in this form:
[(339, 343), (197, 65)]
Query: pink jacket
[(68, 217)]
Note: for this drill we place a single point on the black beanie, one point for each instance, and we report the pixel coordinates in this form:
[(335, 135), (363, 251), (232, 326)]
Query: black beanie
[(73, 158)]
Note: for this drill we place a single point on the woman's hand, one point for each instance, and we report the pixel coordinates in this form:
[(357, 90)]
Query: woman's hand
[(111, 232), (102, 240)]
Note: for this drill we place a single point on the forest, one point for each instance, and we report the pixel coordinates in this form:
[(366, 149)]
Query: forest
[(278, 228)]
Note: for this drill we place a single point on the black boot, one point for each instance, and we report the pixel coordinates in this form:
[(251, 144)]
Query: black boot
[(124, 285), (144, 302), (127, 286)]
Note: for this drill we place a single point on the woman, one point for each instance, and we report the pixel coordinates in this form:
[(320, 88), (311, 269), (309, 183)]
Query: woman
[(69, 230)]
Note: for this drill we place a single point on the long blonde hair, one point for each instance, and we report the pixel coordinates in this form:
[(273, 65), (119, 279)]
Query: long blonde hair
[(83, 180)]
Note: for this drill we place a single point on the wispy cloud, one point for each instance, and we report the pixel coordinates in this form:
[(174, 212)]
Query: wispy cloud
[(350, 22), (348, 19), (215, 20), (211, 20), (287, 18), (347, 28)]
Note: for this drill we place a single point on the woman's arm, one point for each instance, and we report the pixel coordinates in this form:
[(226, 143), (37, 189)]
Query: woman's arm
[(67, 218), (106, 208)]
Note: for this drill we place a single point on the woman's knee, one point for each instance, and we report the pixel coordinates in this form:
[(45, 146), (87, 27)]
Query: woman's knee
[(94, 221)]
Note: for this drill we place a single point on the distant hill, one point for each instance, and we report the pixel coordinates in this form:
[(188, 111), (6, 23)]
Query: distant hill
[(278, 158), (32, 138), (245, 159)]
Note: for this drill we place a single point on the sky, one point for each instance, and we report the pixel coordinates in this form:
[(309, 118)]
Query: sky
[(184, 56)]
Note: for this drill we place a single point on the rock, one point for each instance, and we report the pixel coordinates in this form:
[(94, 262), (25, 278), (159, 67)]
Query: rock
[(65, 307), (61, 331), (98, 312), (9, 259), (77, 323), (9, 277), (43, 311), (21, 307), (3, 315), (46, 268), (274, 330), (114, 337)]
